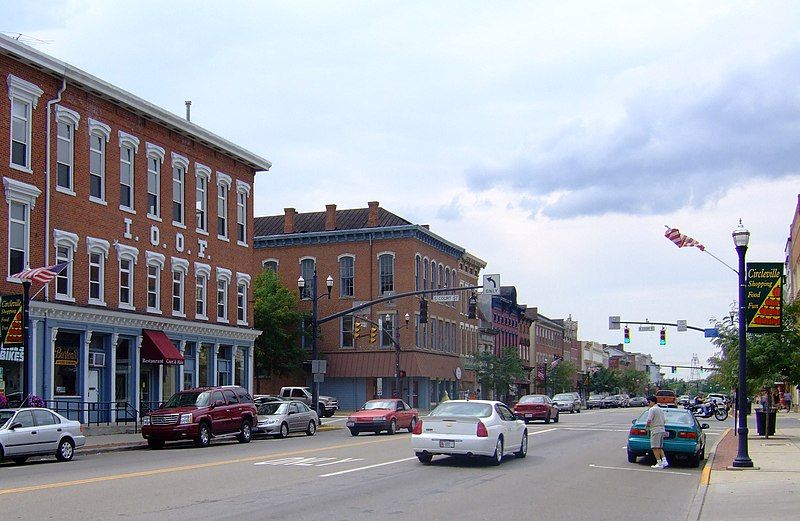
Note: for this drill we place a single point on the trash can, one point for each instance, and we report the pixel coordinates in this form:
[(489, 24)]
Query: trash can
[(762, 418)]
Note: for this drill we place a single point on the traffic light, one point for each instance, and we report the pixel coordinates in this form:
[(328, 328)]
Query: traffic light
[(673, 368), (373, 335), (627, 334), (423, 311), (472, 306), (663, 340), (358, 329)]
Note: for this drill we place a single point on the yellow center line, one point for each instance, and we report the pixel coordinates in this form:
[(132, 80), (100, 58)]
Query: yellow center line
[(167, 470)]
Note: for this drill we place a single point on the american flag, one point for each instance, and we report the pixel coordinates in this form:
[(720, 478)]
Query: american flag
[(42, 275), (682, 240)]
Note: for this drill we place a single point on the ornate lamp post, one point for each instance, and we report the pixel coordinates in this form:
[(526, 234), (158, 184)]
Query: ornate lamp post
[(301, 284), (741, 237)]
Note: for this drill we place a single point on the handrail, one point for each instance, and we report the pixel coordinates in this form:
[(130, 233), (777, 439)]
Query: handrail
[(97, 413)]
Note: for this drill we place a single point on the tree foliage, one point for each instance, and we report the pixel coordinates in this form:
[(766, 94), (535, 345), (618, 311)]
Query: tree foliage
[(632, 381), (276, 314), (561, 378), (771, 357), (498, 373), (604, 380)]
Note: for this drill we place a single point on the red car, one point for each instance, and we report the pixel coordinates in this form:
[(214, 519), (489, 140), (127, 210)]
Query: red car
[(387, 415), (536, 407)]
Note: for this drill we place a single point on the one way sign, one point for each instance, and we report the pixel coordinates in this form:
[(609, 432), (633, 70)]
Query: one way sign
[(491, 284)]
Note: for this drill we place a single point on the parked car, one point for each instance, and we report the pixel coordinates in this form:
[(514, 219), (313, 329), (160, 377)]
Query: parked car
[(383, 415), (623, 400), (637, 401), (536, 407), (685, 438), (37, 431), (666, 398), (684, 400), (280, 418), (610, 401), (470, 428), (264, 398), (595, 401), (201, 414), (568, 402), (326, 405)]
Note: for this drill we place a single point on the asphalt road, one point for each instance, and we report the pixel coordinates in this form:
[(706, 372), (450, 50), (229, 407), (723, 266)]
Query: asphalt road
[(575, 469)]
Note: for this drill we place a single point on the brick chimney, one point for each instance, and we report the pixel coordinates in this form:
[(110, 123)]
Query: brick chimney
[(330, 217), (288, 220), (372, 217)]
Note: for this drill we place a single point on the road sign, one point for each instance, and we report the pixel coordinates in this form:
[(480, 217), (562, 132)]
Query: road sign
[(647, 328), (613, 322), (319, 378), (711, 333), (491, 284), (319, 366), (681, 325), (445, 298)]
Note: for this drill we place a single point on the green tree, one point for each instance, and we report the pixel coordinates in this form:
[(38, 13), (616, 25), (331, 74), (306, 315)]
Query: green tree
[(604, 380), (561, 378), (497, 373), (632, 381), (276, 314)]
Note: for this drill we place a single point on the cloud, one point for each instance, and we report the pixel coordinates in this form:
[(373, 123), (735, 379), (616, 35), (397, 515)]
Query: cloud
[(450, 211), (669, 150)]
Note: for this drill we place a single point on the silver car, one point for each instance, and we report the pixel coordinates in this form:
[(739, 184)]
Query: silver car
[(280, 418), (37, 431), (568, 402)]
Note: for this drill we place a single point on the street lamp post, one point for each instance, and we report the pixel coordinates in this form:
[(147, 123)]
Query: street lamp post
[(397, 355), (301, 283), (741, 237)]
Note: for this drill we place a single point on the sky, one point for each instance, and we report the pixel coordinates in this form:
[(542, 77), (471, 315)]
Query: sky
[(553, 140)]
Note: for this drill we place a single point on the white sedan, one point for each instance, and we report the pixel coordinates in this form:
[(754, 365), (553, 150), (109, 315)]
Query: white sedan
[(38, 431), (470, 428)]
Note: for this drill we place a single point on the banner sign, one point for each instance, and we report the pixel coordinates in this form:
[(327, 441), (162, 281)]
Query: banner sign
[(764, 310), (11, 339)]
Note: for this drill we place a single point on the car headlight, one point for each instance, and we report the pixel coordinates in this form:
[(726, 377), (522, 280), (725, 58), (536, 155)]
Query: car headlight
[(271, 421), (186, 418), (378, 418), (146, 420)]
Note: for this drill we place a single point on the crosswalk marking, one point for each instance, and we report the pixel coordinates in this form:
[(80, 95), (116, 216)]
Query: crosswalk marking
[(308, 462)]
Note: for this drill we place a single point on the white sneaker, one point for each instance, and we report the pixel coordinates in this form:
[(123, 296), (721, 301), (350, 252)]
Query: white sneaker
[(664, 464), (656, 466)]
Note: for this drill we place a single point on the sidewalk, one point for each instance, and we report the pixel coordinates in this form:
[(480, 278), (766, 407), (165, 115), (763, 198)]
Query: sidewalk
[(770, 490)]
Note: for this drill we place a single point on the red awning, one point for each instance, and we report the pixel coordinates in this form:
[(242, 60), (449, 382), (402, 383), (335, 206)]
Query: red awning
[(157, 348)]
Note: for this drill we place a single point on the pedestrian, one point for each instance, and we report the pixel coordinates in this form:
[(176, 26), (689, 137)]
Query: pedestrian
[(655, 424), (787, 400)]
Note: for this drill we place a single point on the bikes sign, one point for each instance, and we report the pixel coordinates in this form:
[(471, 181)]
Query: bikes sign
[(764, 303)]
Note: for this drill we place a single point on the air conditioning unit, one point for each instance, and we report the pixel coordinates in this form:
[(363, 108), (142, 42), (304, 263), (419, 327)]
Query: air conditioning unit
[(97, 359)]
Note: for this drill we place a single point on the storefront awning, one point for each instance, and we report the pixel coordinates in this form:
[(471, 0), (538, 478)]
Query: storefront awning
[(157, 348)]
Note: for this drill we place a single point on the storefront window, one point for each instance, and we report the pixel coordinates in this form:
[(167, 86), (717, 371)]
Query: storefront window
[(224, 366), (122, 377), (239, 362), (67, 364), (202, 377), (189, 365)]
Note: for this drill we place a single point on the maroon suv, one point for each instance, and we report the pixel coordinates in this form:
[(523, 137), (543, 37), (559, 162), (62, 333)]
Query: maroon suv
[(201, 414)]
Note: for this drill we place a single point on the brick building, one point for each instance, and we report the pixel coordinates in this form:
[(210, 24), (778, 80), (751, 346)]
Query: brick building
[(153, 216), (547, 345), (371, 253)]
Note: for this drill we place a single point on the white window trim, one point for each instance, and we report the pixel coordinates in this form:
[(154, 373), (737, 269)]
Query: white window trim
[(102, 246), (64, 238), (224, 180), (132, 254), (25, 194), (155, 152), (201, 170), (276, 261), (225, 275), (158, 260), (29, 93), (97, 128), (71, 118), (205, 270), (182, 266), (179, 161), (132, 142), (242, 278), (244, 224)]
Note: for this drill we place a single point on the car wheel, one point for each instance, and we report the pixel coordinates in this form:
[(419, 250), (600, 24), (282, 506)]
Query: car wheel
[(547, 419), (353, 432), (312, 428), (412, 424), (392, 427), (579, 410), (424, 458), (523, 446), (694, 460), (284, 432), (66, 449), (497, 458), (20, 460), (632, 457), (154, 443), (245, 432), (203, 435)]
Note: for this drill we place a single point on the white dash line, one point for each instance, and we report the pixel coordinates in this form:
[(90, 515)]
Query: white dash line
[(367, 467), (660, 471)]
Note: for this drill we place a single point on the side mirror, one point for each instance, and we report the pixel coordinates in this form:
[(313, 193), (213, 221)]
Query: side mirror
[(219, 403), (15, 425), (633, 422), (704, 426), (292, 412)]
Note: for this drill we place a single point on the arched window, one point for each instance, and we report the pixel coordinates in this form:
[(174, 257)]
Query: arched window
[(155, 158), (155, 265), (66, 244), (98, 253), (66, 125), (127, 256), (99, 135), (346, 276), (385, 272), (180, 269)]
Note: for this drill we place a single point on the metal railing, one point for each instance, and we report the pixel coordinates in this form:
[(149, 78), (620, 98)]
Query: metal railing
[(97, 413)]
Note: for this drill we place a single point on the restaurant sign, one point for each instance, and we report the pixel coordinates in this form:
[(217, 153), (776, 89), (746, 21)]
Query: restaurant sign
[(764, 303)]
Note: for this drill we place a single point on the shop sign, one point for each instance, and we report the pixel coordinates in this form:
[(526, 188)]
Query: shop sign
[(764, 303), (11, 320), (66, 356)]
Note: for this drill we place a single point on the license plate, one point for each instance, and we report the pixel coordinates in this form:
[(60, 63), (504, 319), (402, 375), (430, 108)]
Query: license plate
[(447, 444), (529, 415), (351, 424), (669, 435)]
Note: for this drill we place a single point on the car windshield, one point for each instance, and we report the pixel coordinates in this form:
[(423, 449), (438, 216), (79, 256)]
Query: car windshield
[(386, 404), (189, 399), (532, 399), (678, 417), (562, 397), (595, 397), (481, 410), (665, 393), (5, 416), (273, 408)]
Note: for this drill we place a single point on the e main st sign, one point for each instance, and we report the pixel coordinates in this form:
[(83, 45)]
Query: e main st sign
[(764, 312)]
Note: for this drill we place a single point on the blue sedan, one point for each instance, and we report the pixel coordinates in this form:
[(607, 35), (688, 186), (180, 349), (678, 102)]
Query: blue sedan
[(685, 438)]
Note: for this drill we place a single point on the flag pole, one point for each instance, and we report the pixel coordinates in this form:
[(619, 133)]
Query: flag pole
[(722, 262), (26, 358)]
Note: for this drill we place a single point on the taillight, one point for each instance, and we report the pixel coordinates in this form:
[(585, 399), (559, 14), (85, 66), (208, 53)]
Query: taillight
[(417, 428), (481, 431), (688, 435), (638, 432)]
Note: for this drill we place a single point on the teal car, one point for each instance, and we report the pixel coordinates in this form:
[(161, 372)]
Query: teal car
[(684, 440)]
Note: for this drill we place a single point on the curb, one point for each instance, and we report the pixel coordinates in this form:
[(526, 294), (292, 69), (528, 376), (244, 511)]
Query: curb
[(696, 508)]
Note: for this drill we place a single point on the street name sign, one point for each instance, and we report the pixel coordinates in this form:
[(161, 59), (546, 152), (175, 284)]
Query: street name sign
[(681, 325), (445, 298)]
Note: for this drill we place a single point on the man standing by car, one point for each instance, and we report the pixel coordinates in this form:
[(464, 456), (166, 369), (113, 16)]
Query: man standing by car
[(655, 424)]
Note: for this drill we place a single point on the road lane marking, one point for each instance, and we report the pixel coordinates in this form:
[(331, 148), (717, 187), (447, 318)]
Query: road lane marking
[(542, 431), (367, 467), (169, 470), (660, 471), (308, 462)]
